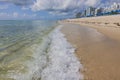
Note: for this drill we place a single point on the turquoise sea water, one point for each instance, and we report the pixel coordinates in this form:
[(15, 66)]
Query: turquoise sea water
[(14, 31), (36, 50), (18, 40)]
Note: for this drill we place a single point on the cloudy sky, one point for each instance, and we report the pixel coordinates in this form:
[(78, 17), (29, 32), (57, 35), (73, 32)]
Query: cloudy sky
[(46, 9)]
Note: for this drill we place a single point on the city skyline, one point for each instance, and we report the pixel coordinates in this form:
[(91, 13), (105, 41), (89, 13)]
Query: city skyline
[(47, 9), (99, 11)]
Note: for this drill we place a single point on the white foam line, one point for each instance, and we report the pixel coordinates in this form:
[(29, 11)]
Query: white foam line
[(63, 64), (60, 63)]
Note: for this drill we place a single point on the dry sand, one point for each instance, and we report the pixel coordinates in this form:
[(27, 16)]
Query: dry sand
[(108, 25), (98, 46)]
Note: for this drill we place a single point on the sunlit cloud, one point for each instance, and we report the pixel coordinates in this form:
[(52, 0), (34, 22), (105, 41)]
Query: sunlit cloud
[(57, 5), (92, 2), (62, 7)]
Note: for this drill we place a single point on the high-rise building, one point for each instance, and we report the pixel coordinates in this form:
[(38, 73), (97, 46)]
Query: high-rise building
[(114, 7), (83, 14), (98, 11), (119, 6), (90, 11), (110, 10)]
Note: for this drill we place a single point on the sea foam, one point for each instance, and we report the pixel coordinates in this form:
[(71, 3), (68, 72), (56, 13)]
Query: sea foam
[(63, 64), (54, 59)]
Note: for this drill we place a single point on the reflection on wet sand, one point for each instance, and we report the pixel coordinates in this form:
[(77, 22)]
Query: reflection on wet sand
[(99, 54)]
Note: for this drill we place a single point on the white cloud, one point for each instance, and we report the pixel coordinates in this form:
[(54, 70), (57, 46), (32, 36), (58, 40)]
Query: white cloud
[(54, 5), (92, 2), (108, 3), (62, 7)]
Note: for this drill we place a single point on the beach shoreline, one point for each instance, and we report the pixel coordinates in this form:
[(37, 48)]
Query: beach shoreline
[(108, 25), (97, 45)]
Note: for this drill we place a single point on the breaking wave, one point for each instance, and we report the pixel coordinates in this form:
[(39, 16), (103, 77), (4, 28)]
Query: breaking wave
[(53, 59)]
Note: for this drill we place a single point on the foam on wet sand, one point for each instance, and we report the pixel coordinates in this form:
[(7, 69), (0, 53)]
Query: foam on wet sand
[(98, 45), (54, 59), (63, 64)]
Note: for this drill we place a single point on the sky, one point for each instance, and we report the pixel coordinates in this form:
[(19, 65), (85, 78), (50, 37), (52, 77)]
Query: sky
[(46, 9)]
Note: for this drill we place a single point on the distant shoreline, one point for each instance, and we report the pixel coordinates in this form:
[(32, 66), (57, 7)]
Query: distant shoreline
[(98, 16)]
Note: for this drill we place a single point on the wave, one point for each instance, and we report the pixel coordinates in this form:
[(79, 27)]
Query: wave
[(54, 59), (63, 64)]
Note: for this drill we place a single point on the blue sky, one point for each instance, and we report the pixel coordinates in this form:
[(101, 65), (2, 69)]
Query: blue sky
[(46, 9)]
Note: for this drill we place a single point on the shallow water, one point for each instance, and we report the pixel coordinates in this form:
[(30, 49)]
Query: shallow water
[(34, 50), (12, 31), (18, 40)]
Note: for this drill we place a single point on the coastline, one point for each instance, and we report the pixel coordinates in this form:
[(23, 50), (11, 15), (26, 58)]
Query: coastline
[(108, 25), (50, 59), (97, 45), (62, 63)]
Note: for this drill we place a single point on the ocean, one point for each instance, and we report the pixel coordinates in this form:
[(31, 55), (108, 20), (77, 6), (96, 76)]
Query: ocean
[(36, 50)]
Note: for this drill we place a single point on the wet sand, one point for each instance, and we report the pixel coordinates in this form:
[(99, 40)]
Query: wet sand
[(99, 53), (108, 25)]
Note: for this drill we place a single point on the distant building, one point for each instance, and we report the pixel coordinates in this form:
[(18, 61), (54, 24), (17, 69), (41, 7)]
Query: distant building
[(90, 11), (109, 10), (78, 15), (98, 11), (119, 5), (105, 10), (113, 8), (83, 14)]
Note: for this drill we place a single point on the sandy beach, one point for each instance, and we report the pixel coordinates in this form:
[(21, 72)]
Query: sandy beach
[(97, 43), (108, 25)]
